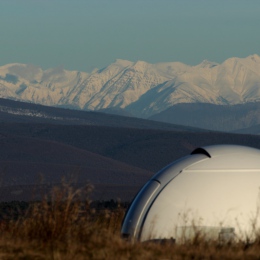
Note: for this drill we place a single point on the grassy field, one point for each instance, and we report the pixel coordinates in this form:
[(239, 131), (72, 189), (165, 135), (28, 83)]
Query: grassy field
[(61, 226)]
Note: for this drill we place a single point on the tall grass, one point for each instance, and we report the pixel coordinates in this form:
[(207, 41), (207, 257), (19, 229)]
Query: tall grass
[(64, 226)]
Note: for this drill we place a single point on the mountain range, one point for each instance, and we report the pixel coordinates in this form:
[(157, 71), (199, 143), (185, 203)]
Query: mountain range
[(138, 88), (52, 122)]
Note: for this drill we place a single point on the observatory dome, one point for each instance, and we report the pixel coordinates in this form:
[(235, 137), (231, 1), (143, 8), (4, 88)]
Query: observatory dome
[(215, 191)]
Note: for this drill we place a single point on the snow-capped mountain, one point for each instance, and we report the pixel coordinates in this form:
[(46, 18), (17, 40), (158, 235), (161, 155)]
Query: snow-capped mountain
[(141, 88)]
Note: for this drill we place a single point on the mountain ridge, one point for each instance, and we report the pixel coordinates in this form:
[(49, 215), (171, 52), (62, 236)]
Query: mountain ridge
[(22, 112)]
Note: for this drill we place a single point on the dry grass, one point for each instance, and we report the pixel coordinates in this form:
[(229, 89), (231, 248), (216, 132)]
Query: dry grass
[(61, 226)]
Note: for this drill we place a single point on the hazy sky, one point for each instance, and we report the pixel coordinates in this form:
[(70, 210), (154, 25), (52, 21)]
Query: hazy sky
[(84, 34)]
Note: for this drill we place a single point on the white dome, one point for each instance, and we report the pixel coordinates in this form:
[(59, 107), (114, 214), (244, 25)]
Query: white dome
[(215, 191)]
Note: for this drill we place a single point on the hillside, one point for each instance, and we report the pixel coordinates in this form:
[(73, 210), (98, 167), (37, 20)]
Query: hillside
[(213, 117), (30, 162), (116, 154), (254, 130), (118, 161), (143, 148), (22, 112)]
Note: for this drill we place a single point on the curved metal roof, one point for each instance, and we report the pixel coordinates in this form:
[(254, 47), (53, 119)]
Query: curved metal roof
[(218, 184), (224, 149)]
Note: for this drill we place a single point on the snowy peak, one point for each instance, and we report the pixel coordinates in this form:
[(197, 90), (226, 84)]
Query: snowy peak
[(254, 58), (123, 63), (207, 64), (140, 66)]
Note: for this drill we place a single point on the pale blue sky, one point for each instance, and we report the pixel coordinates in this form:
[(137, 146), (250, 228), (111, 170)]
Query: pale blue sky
[(87, 34)]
